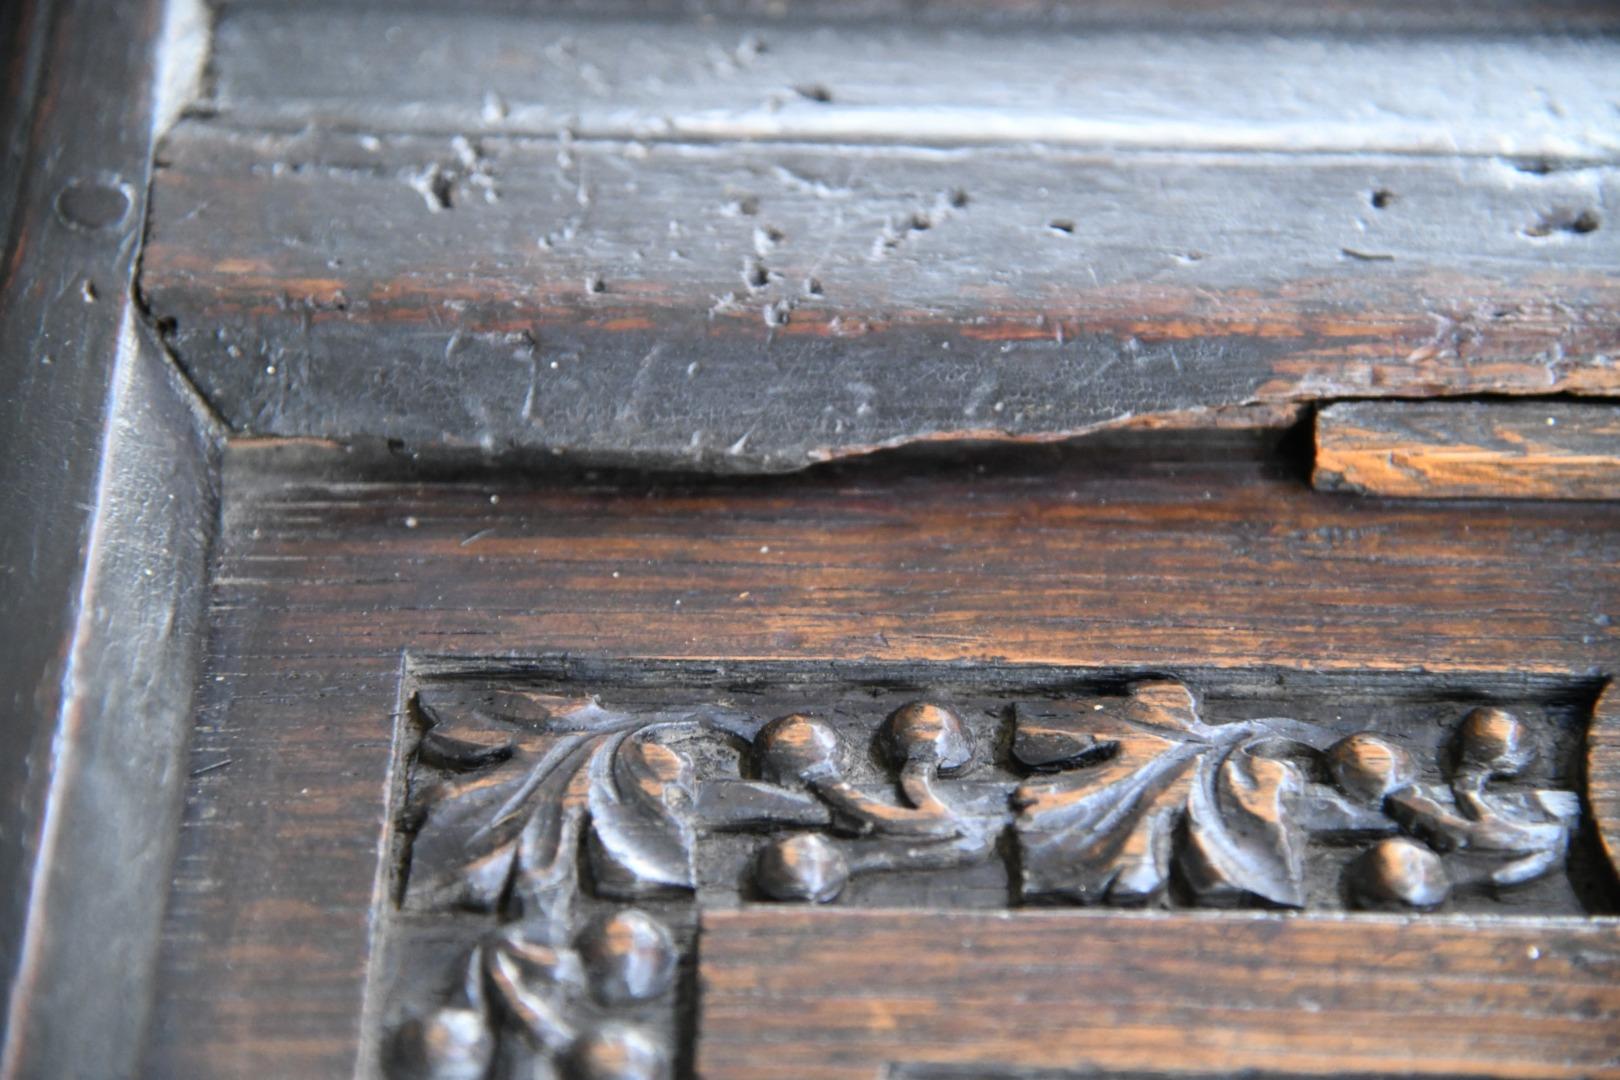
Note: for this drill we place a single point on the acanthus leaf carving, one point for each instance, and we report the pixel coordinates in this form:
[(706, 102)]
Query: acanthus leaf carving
[(506, 826), (1144, 770), (541, 808), (640, 795), (1150, 789), (1243, 837), (534, 791)]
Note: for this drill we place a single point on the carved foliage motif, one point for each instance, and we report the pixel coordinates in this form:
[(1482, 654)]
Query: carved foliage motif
[(1149, 783), (547, 805), (534, 796), (529, 787)]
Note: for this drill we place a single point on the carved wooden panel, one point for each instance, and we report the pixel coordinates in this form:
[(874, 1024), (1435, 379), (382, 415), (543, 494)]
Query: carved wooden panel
[(986, 586), (1124, 756), (557, 837)]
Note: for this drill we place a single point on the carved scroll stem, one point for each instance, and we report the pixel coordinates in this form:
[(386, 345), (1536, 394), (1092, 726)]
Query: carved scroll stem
[(931, 820), (923, 739), (1530, 829)]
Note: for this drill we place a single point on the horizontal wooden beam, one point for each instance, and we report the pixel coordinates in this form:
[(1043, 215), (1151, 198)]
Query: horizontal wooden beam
[(1499, 450), (1355, 16), (845, 994), (843, 80), (760, 307), (1080, 560)]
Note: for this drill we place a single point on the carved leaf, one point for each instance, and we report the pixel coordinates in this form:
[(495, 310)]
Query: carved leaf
[(465, 837), (1147, 766), (527, 788), (1243, 839), (640, 795), (547, 878)]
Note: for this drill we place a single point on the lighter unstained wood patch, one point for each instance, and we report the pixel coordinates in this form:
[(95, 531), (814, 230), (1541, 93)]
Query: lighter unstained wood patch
[(1603, 771), (1436, 450)]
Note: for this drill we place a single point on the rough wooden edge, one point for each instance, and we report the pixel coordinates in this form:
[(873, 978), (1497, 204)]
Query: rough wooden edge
[(481, 337), (107, 510), (1495, 450), (1603, 770)]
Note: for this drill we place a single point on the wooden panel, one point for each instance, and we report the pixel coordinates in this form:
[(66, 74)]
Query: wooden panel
[(843, 995), (1546, 450), (759, 307), (1217, 564), (488, 254), (331, 572), (863, 81), (1351, 15)]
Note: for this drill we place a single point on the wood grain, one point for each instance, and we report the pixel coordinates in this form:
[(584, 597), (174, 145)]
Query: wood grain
[(1217, 564), (758, 307), (1603, 771), (106, 513), (458, 280), (844, 80), (1542, 450), (1355, 16), (835, 995), (332, 570), (525, 294)]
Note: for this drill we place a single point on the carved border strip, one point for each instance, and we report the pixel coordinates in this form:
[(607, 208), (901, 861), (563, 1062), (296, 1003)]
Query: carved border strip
[(1117, 795)]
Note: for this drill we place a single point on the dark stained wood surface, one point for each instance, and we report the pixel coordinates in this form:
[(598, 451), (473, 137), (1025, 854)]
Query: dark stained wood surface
[(1288, 798), (106, 513), (331, 574), (1603, 770), (1336, 15), (824, 995), (847, 80), (1542, 450), (788, 233), (752, 307), (413, 275)]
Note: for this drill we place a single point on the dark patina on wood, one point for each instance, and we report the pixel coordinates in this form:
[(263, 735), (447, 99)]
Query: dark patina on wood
[(108, 502), (753, 242), (752, 307), (571, 837), (1226, 571), (843, 995), (489, 271)]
